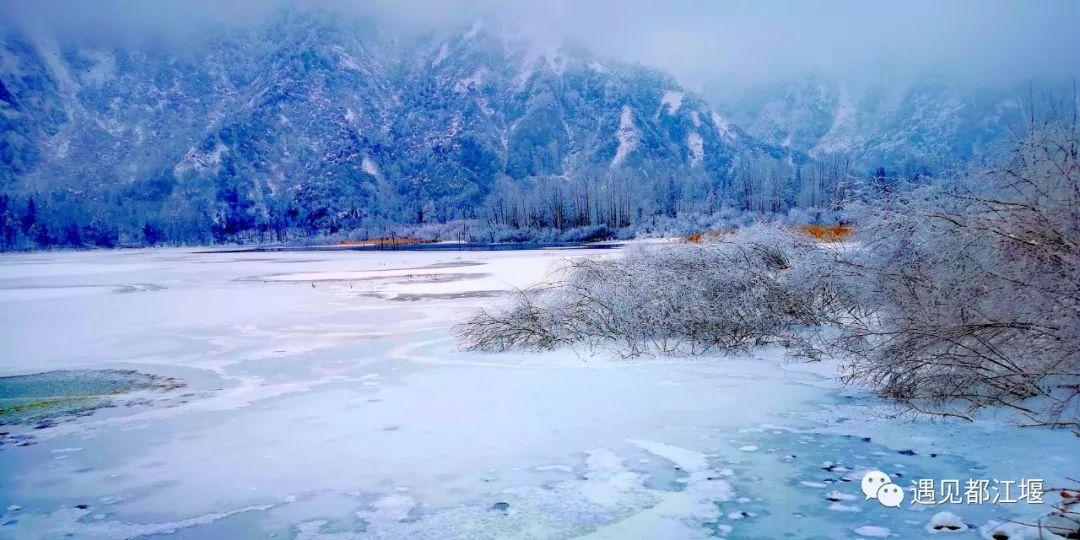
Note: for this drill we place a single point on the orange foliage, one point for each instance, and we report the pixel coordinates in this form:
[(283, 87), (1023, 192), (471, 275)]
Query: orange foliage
[(695, 238), (699, 237), (827, 233)]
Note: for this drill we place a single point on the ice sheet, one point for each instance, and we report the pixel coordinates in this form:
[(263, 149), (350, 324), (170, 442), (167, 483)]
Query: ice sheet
[(322, 405)]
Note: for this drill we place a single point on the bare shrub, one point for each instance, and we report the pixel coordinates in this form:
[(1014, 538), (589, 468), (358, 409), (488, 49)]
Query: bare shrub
[(728, 293), (966, 294)]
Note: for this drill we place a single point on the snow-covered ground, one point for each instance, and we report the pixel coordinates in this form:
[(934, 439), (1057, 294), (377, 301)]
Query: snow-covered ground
[(326, 398)]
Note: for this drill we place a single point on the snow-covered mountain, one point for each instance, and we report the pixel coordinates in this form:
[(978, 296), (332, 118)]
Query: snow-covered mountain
[(307, 120), (924, 125)]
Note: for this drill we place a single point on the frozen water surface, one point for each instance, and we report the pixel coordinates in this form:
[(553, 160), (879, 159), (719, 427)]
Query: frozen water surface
[(325, 398)]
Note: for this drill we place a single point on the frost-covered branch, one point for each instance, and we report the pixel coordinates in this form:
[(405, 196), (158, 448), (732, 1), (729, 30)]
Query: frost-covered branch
[(749, 289), (974, 289)]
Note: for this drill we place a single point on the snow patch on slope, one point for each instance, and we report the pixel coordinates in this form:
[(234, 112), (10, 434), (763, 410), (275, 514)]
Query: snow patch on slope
[(838, 138), (368, 165), (628, 136), (471, 82), (723, 127), (199, 161), (671, 101), (50, 55), (696, 146), (347, 61), (444, 52)]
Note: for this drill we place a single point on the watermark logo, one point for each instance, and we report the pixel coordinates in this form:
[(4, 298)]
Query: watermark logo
[(878, 485), (926, 491), (978, 491)]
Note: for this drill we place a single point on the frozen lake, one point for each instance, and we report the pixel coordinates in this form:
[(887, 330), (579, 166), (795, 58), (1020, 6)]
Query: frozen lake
[(325, 398)]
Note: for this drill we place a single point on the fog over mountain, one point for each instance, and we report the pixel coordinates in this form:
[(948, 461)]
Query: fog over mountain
[(131, 122), (926, 125), (700, 42)]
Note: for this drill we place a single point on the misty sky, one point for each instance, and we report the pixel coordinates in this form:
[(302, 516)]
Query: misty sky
[(701, 42)]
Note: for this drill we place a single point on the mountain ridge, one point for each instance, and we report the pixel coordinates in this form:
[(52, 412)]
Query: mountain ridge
[(307, 125), (306, 121)]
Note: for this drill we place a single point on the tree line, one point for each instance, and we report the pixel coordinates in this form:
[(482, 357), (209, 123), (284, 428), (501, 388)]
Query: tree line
[(232, 210)]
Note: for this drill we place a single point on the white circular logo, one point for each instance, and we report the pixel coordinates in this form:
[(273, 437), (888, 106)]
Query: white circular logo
[(878, 485), (890, 495), (873, 480)]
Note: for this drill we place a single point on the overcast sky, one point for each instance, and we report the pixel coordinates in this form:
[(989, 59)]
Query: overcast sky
[(699, 41)]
